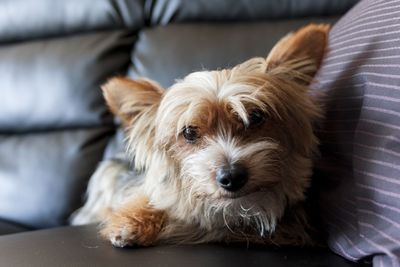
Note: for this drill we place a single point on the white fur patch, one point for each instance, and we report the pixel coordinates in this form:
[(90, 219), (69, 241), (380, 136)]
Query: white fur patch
[(106, 189)]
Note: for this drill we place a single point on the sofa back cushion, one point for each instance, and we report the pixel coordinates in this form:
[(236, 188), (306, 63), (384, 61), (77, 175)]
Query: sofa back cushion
[(54, 125)]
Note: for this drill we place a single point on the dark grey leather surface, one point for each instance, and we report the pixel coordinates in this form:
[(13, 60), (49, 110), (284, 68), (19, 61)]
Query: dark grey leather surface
[(54, 125), (32, 19), (54, 83), (11, 228), (167, 53), (162, 12), (80, 246), (43, 174)]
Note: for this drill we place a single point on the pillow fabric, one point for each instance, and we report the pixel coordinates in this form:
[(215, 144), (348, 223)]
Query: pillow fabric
[(360, 81)]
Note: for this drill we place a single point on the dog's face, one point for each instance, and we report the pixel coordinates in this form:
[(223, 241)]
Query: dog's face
[(234, 137)]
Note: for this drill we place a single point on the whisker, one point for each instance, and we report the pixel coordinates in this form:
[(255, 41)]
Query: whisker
[(226, 222)]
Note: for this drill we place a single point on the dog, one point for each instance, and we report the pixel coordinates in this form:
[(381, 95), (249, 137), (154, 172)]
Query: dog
[(221, 156)]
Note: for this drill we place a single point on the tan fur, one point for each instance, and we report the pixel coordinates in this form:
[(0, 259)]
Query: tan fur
[(180, 177), (136, 103), (302, 46), (135, 223)]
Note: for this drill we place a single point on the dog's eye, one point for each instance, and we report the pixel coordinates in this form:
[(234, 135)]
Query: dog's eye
[(190, 133), (256, 118)]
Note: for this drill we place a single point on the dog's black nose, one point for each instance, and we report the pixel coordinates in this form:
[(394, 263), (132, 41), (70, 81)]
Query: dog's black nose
[(232, 177)]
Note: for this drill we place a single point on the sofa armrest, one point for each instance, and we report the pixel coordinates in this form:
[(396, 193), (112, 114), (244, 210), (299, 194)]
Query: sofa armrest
[(81, 246)]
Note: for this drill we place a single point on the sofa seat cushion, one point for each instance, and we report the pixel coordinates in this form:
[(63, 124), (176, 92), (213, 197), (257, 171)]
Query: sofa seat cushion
[(81, 246)]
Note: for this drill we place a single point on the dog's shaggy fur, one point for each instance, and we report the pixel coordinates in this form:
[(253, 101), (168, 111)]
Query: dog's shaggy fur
[(258, 114)]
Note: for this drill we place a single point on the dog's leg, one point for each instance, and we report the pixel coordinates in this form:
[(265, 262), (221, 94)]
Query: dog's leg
[(104, 186), (135, 223)]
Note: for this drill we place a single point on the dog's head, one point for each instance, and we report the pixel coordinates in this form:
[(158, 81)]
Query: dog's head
[(240, 138)]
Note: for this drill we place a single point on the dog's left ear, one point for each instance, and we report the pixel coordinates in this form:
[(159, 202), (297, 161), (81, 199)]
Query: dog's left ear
[(136, 103), (131, 99), (301, 51)]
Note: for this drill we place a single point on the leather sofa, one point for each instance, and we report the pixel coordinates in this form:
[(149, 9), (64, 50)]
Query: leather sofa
[(55, 126)]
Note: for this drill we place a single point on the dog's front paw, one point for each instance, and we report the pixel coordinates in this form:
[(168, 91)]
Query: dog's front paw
[(134, 226), (123, 237)]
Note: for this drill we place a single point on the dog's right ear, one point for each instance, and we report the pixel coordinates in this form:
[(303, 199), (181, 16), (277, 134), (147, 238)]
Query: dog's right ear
[(301, 52), (129, 99)]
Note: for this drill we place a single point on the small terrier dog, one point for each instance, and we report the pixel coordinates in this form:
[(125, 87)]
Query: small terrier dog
[(223, 155)]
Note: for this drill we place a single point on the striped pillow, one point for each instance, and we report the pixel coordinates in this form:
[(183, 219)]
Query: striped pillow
[(361, 135)]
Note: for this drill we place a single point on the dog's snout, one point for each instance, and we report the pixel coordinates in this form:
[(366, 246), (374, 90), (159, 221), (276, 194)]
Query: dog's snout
[(232, 177)]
